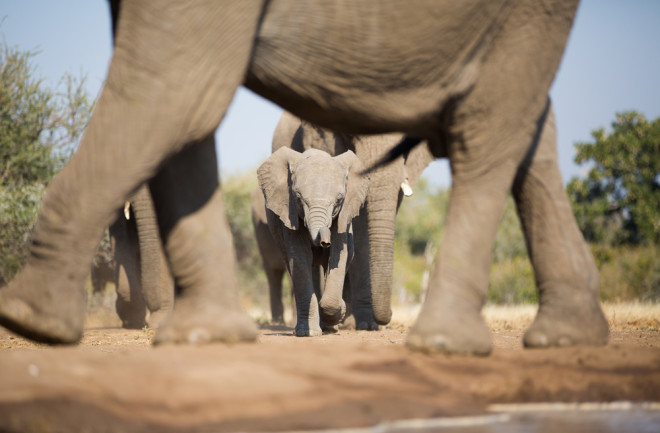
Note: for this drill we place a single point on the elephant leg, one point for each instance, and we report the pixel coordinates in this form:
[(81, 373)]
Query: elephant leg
[(332, 306), (130, 304), (359, 279), (195, 232), (566, 275), (299, 264), (483, 169), (450, 319), (159, 96), (274, 276)]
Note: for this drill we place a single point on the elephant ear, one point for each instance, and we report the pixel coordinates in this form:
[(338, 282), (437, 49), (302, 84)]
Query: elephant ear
[(275, 182), (356, 189)]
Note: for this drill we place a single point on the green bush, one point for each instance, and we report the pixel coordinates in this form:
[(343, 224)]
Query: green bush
[(421, 218), (512, 282), (18, 212), (408, 271), (237, 190), (39, 128), (509, 240), (631, 273)]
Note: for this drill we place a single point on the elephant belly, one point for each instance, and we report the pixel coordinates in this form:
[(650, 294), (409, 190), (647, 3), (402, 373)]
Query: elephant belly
[(367, 66)]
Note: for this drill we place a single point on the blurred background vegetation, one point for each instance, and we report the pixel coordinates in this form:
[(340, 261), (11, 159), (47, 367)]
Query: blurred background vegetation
[(616, 203), (39, 129)]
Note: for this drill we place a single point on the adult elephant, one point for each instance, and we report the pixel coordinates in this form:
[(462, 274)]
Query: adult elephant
[(139, 269), (471, 77), (370, 275)]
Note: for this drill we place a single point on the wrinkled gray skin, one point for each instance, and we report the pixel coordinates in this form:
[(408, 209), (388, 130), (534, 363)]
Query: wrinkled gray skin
[(470, 77), (311, 200), (371, 272), (139, 270)]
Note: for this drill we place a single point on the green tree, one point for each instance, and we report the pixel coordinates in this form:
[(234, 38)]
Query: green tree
[(619, 201), (39, 129), (421, 217)]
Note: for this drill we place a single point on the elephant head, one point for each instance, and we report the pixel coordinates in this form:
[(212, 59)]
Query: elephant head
[(315, 188)]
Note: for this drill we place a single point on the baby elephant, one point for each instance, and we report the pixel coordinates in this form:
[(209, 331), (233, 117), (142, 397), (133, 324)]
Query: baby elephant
[(311, 200)]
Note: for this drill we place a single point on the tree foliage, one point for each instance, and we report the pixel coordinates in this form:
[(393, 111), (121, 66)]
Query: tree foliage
[(39, 129), (419, 227), (421, 217), (619, 201), (237, 192)]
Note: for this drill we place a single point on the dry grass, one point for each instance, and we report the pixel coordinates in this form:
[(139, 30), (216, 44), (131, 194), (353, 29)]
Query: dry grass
[(632, 315), (509, 317), (620, 315)]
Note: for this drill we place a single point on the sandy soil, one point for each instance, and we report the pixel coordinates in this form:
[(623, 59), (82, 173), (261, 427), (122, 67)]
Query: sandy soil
[(115, 381)]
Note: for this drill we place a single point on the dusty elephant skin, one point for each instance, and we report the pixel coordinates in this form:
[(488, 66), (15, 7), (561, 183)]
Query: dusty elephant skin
[(311, 199), (370, 275), (472, 78)]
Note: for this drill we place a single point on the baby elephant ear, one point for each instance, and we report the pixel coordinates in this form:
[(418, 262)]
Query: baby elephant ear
[(356, 189), (275, 182)]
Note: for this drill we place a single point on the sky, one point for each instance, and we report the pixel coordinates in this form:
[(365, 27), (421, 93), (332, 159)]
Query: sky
[(611, 64)]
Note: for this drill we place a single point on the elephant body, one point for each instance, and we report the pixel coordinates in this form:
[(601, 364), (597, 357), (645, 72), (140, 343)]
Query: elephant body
[(471, 78), (371, 272), (311, 200)]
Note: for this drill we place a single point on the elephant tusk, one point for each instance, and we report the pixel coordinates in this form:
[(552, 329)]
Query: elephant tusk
[(127, 210), (405, 187)]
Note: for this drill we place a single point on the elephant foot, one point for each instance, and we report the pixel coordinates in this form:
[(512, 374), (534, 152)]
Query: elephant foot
[(329, 329), (132, 316), (451, 331), (306, 330), (565, 321), (364, 320), (203, 321), (332, 315), (41, 313)]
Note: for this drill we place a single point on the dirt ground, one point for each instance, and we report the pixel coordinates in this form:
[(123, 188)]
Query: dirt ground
[(115, 381)]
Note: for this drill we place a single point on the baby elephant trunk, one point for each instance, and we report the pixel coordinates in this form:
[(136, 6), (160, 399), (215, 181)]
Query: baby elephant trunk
[(318, 220), (324, 237)]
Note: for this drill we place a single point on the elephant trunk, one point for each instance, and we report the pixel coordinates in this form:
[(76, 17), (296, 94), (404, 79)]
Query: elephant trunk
[(324, 237), (381, 217), (149, 246), (318, 223), (381, 207), (381, 258)]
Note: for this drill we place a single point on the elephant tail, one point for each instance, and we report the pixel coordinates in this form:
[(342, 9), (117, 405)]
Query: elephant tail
[(403, 148)]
